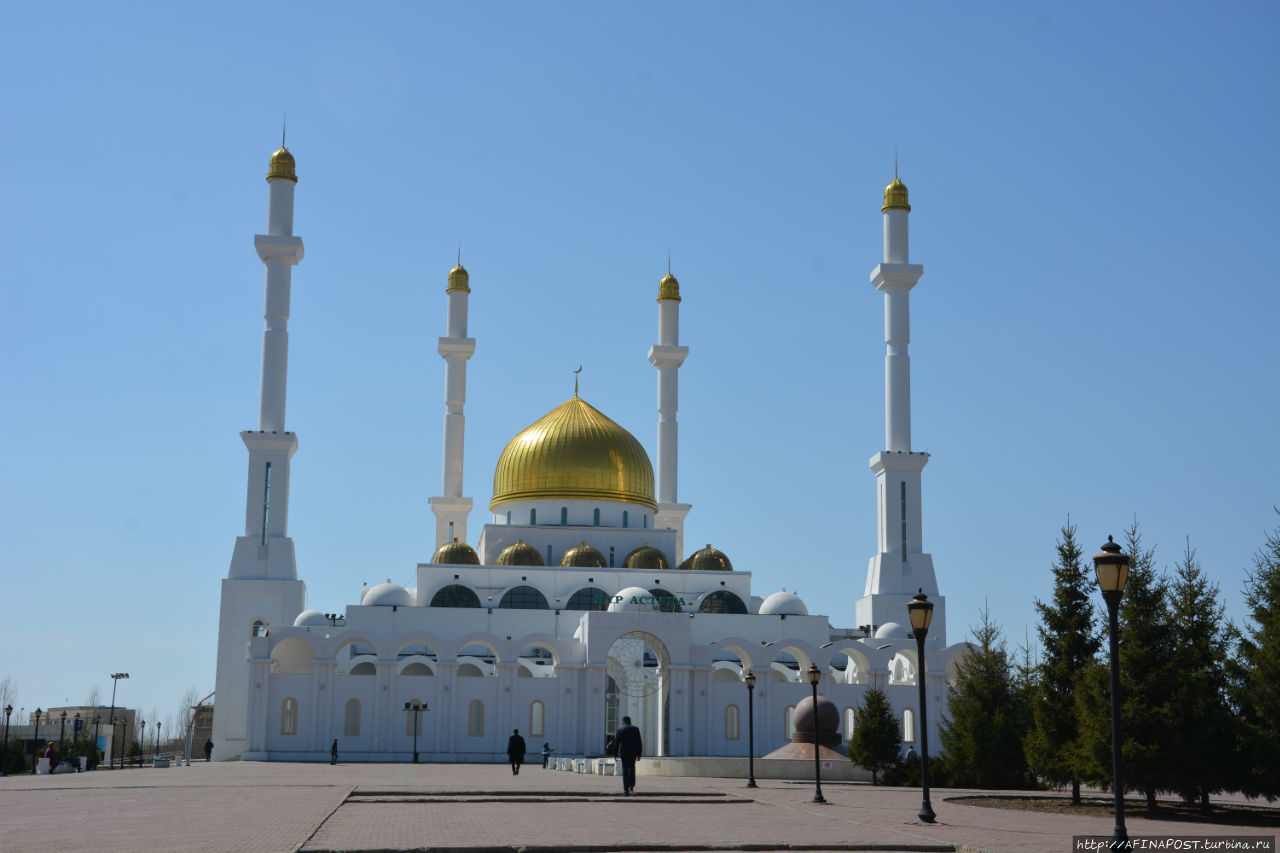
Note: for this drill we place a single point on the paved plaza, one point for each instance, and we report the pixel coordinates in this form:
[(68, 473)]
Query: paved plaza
[(281, 808)]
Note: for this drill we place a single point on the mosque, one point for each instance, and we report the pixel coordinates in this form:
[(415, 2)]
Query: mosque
[(577, 603)]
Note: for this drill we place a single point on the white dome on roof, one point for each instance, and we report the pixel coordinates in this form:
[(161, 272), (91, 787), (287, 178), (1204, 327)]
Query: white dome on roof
[(633, 599), (387, 595), (892, 631), (783, 603), (310, 619)]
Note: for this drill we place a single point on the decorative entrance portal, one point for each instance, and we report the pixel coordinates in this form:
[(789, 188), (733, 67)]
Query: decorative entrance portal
[(636, 686)]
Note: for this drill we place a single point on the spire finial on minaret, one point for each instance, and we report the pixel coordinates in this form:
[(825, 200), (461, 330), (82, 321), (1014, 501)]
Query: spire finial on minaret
[(284, 126), (668, 262), (575, 380)]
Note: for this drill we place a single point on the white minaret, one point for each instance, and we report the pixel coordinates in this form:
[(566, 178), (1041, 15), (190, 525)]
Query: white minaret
[(667, 355), (901, 567), (451, 508), (262, 588)]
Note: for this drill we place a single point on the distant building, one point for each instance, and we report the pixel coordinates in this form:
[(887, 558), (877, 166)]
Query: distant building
[(577, 605)]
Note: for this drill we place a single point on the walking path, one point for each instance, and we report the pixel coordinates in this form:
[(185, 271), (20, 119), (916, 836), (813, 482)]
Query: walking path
[(282, 808)]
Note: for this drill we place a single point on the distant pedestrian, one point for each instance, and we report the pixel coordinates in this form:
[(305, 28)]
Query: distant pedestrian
[(630, 747), (208, 750), (52, 754), (547, 749), (515, 752), (333, 752)]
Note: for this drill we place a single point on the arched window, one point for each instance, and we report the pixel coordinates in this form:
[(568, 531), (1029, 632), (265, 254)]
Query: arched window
[(588, 598), (456, 595), (564, 515), (850, 720), (475, 719), (666, 601), (414, 710), (731, 722), (523, 598), (289, 717), (259, 628), (536, 715), (645, 518), (533, 516), (787, 721), (363, 668), (596, 517), (722, 601), (508, 516), (351, 720), (624, 518), (909, 726)]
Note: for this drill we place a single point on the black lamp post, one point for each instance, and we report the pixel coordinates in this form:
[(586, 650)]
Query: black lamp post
[(415, 708), (142, 739), (920, 609), (815, 675), (1112, 570), (750, 679), (158, 725), (4, 756), (62, 731), (111, 721), (76, 730), (97, 720), (35, 758)]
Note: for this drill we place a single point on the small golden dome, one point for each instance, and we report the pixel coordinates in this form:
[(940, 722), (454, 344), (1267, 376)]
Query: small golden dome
[(455, 553), (282, 166), (646, 557), (669, 288), (520, 554), (574, 452), (583, 557), (895, 196), (458, 280), (707, 560)]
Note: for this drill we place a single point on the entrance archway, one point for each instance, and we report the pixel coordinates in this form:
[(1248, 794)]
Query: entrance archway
[(637, 685)]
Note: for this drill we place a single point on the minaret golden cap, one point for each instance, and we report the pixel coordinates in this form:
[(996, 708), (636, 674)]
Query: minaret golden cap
[(282, 166), (895, 196), (669, 288), (458, 280)]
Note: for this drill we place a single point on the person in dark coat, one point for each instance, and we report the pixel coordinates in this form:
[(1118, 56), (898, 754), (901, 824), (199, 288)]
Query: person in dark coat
[(547, 749), (515, 752), (630, 747), (208, 750), (333, 752)]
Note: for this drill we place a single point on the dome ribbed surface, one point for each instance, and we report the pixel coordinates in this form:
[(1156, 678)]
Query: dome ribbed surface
[(646, 557), (282, 166), (520, 554), (707, 559), (574, 452), (583, 557), (455, 553)]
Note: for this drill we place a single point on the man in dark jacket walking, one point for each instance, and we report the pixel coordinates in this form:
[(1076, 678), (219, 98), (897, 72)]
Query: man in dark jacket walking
[(515, 752), (629, 747)]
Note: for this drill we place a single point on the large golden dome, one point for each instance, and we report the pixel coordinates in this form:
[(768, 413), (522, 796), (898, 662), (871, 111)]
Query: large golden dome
[(573, 452)]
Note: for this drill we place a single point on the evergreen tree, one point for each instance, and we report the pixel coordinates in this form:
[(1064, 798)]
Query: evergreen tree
[(1146, 684), (1069, 640), (982, 732), (876, 742), (1201, 723), (1256, 686)]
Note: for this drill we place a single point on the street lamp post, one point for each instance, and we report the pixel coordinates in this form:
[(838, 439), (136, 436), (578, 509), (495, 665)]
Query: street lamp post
[(815, 675), (35, 758), (62, 731), (920, 609), (142, 740), (76, 732), (1112, 570), (115, 682), (97, 759), (124, 741), (4, 756), (750, 679), (415, 708), (159, 723)]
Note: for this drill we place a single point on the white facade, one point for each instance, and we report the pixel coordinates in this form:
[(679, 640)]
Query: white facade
[(560, 652)]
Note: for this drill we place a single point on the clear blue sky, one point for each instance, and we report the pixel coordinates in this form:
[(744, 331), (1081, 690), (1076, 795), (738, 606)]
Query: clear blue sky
[(1094, 201)]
